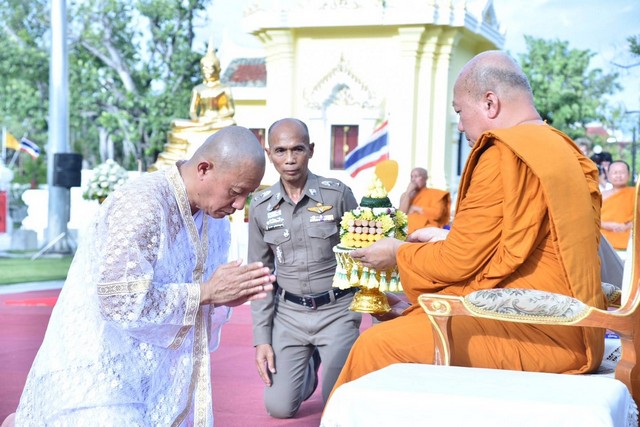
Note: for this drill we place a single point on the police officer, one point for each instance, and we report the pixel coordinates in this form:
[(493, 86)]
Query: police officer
[(293, 227)]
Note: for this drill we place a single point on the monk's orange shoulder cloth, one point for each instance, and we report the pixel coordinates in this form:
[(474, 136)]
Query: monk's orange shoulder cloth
[(435, 205), (573, 199), (551, 163), (619, 207)]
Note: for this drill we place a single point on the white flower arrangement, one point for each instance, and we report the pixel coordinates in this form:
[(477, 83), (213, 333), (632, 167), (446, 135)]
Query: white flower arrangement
[(107, 177)]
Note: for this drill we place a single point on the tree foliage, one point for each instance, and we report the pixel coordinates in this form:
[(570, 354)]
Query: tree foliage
[(132, 65), (567, 93), (634, 46)]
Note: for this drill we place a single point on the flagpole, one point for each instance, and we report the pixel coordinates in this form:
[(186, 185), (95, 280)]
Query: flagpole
[(59, 197), (4, 145), (14, 158)]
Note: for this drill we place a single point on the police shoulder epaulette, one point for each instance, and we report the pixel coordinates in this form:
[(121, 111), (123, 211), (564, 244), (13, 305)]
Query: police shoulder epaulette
[(333, 184), (262, 196)]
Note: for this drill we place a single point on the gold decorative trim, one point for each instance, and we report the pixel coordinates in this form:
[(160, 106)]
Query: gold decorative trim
[(200, 245), (436, 307), (197, 376), (190, 314), (123, 288), (440, 308), (202, 387), (199, 389)]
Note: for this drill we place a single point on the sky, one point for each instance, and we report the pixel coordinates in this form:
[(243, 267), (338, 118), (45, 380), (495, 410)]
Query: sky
[(601, 26)]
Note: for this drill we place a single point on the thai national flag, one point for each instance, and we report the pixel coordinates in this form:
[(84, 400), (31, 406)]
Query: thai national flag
[(370, 154), (29, 147)]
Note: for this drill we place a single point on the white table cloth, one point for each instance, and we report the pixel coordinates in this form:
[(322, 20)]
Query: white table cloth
[(426, 395)]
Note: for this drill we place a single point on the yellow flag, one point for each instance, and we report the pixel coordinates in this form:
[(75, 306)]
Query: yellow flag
[(387, 171), (11, 141)]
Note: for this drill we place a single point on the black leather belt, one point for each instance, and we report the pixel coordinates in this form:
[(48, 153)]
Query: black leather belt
[(318, 300)]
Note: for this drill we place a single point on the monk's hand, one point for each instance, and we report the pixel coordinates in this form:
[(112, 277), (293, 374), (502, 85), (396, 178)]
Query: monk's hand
[(397, 304), (412, 188), (233, 284), (380, 256), (428, 235), (619, 227), (265, 362), (415, 209)]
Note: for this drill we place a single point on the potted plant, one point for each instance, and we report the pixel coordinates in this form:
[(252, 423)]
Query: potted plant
[(18, 209), (106, 177)]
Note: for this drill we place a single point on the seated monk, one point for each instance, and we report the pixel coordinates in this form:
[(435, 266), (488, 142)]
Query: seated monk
[(425, 207), (521, 222), (618, 206), (211, 105)]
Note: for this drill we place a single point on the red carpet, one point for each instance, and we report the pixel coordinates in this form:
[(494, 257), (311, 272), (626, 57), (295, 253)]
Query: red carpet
[(237, 389), (44, 302)]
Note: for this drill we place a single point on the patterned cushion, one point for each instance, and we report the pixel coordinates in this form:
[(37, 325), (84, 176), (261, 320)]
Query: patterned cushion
[(524, 304), (611, 292)]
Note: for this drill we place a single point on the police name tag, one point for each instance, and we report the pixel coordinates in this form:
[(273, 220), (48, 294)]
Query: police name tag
[(321, 218), (274, 214), (273, 223)]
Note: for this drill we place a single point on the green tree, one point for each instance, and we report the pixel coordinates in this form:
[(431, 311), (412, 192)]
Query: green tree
[(634, 47), (567, 93), (24, 73), (132, 65)]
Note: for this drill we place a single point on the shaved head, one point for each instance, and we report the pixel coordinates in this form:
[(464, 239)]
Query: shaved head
[(290, 123), (419, 177), (420, 171), (230, 147), (492, 92), (223, 171), (494, 71)]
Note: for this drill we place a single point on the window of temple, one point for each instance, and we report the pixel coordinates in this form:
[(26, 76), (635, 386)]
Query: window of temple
[(344, 139)]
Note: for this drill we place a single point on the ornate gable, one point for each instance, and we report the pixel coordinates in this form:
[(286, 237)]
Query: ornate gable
[(340, 86)]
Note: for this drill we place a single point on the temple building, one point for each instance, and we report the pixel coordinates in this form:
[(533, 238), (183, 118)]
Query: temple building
[(342, 66)]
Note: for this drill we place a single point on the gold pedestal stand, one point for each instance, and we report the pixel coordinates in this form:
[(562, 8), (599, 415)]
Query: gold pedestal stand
[(350, 273), (368, 300)]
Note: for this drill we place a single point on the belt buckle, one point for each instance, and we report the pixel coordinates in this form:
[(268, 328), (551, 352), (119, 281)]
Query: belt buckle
[(311, 306)]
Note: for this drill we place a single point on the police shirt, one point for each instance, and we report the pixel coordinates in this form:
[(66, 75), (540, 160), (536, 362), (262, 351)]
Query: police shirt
[(296, 240)]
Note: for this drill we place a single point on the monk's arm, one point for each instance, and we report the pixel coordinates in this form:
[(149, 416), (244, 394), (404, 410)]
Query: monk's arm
[(405, 200), (438, 208), (616, 226), (472, 241)]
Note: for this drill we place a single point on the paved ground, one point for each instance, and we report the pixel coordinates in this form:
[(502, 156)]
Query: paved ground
[(237, 390), (29, 287)]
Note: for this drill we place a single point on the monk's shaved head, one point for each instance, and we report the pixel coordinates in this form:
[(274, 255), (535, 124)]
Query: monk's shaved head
[(420, 171), (492, 92), (497, 72)]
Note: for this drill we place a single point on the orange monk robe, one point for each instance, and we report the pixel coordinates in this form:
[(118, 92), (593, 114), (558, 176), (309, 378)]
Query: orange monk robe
[(527, 217), (435, 205), (618, 207)]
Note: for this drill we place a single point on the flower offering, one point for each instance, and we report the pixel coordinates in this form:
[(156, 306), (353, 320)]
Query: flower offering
[(374, 219)]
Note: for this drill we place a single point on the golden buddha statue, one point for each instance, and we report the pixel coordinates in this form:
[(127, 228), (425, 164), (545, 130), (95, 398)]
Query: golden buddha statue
[(212, 108)]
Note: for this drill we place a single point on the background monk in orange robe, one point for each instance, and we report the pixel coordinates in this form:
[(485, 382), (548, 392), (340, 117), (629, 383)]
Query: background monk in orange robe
[(425, 207), (617, 206), (527, 217)]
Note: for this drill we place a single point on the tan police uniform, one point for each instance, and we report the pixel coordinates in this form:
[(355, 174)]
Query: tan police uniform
[(304, 312)]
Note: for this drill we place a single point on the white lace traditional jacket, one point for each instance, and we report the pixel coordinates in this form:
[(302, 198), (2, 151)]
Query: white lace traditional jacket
[(128, 343)]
